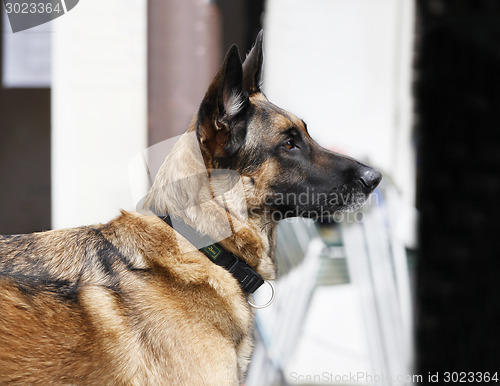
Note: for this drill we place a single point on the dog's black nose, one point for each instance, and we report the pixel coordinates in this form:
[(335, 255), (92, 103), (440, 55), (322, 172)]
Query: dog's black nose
[(370, 178)]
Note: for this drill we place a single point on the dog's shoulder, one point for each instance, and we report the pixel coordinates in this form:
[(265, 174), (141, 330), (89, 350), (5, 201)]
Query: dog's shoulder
[(162, 248), (131, 247), (133, 243)]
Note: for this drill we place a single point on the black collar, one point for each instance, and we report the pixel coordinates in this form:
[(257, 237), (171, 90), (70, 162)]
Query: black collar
[(249, 279)]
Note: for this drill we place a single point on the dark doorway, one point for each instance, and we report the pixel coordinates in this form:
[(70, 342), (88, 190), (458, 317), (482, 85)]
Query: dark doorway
[(25, 202), (458, 115)]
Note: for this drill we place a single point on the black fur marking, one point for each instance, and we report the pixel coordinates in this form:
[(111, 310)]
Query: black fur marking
[(31, 286), (109, 255), (237, 133), (19, 252), (252, 159)]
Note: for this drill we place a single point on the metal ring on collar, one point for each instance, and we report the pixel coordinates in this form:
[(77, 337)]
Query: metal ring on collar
[(273, 292)]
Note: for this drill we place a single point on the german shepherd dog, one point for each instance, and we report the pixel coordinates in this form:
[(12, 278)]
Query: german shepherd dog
[(132, 301)]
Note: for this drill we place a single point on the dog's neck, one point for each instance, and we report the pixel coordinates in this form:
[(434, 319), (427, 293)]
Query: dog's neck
[(214, 203), (255, 243)]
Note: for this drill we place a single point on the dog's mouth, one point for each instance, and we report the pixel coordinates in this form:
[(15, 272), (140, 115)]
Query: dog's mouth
[(326, 201), (340, 200), (350, 196), (348, 200), (317, 205)]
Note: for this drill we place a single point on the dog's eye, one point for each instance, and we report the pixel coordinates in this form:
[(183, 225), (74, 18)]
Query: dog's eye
[(290, 144)]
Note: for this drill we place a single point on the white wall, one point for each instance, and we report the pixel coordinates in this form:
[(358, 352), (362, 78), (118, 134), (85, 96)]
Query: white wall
[(345, 67), (98, 108)]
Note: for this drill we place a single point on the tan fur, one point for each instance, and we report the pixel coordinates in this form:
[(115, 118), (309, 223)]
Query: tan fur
[(151, 331)]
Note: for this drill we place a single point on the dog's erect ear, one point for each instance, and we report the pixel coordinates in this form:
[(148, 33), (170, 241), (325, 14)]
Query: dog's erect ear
[(252, 67), (222, 103)]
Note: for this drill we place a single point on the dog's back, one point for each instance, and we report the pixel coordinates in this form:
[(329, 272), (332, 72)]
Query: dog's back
[(107, 304)]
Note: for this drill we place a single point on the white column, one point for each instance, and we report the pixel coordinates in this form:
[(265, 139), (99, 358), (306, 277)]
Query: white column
[(98, 108)]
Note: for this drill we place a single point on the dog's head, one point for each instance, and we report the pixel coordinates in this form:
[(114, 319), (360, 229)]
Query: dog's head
[(291, 175)]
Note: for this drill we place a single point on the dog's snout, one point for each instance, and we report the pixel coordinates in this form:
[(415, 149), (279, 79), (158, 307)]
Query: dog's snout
[(370, 178)]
